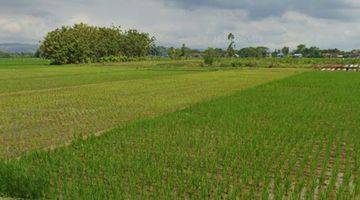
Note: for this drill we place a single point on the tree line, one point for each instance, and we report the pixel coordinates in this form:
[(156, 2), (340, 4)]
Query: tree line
[(261, 51), (252, 52), (82, 43)]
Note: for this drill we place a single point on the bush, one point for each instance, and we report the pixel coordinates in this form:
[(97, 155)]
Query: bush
[(250, 64), (273, 65), (114, 59), (237, 64), (108, 59), (209, 56), (209, 60)]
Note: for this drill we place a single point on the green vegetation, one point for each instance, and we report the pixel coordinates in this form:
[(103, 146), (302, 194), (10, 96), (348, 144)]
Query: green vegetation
[(150, 122), (230, 52), (254, 52), (282, 62), (45, 106), (210, 56), (82, 43), (296, 137), (26, 63)]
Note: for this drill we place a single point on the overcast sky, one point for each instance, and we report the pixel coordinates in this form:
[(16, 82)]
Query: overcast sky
[(197, 23)]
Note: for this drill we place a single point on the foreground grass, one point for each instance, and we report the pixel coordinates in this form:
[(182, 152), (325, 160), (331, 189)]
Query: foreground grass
[(11, 63), (45, 106), (296, 138)]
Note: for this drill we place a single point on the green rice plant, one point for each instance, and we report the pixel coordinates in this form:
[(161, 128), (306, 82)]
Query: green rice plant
[(252, 143), (183, 132), (44, 107), (16, 181)]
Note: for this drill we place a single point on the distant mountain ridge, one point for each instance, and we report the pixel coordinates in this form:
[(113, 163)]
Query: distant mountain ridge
[(18, 47)]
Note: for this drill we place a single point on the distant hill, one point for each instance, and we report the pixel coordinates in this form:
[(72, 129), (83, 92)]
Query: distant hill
[(18, 47)]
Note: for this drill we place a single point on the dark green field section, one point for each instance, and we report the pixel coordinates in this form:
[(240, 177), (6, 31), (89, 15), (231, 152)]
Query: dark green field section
[(295, 138)]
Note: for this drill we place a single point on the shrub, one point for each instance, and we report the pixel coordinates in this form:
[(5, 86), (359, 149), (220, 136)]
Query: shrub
[(237, 64), (209, 56), (114, 59), (250, 64)]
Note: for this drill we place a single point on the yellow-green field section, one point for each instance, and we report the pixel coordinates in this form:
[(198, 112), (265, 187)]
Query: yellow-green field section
[(45, 106)]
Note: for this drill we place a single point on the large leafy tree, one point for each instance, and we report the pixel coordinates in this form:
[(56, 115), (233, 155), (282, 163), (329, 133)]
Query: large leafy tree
[(312, 52), (184, 51), (285, 51), (136, 44), (253, 52), (173, 53), (300, 49), (83, 43)]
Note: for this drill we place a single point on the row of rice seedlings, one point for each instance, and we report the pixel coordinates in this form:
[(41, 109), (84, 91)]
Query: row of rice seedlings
[(325, 170), (313, 168), (297, 173), (279, 158), (335, 161), (304, 174), (282, 181), (342, 185), (306, 179), (357, 166)]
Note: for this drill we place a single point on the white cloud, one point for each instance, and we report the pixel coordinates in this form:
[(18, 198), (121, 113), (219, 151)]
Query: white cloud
[(79, 18), (9, 26), (199, 27)]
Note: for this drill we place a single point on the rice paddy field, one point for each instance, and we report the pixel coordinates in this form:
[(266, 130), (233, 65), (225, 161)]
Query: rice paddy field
[(161, 131)]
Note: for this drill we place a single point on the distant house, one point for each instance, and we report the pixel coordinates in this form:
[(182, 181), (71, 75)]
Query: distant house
[(280, 55), (298, 55), (328, 55), (332, 55), (355, 55), (195, 55)]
